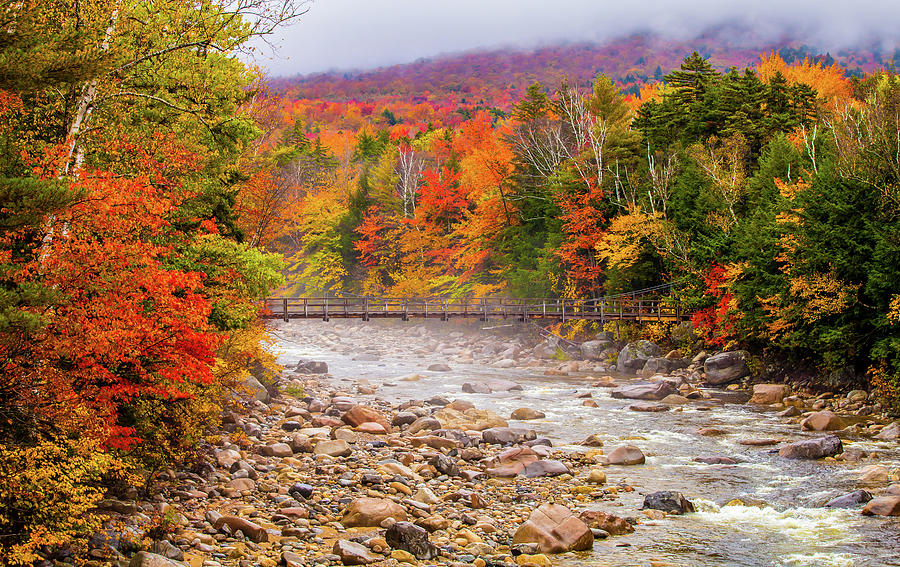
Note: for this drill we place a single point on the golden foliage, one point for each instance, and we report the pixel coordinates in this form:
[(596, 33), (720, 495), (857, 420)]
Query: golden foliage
[(829, 82), (893, 314), (47, 493)]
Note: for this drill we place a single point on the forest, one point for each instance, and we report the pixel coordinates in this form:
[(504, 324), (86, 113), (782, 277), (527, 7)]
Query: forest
[(769, 194), (153, 189)]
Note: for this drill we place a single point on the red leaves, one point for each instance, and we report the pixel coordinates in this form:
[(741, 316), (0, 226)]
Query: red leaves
[(716, 323), (441, 199), (126, 325), (370, 240), (583, 226)]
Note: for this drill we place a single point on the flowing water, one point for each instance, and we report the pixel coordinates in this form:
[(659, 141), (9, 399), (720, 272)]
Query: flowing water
[(781, 524)]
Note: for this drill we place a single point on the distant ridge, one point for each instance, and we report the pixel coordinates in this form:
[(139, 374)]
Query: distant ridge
[(493, 76)]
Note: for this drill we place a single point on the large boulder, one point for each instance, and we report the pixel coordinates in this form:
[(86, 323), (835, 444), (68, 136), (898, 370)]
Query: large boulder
[(851, 500), (626, 455), (253, 386), (555, 530), (661, 365), (654, 391), (524, 414), (359, 414), (634, 356), (507, 435), (253, 532), (595, 350), (544, 468), (311, 367), (884, 506), (352, 553), (336, 448), (892, 431), (768, 394), (823, 421), (726, 367), (668, 501), (410, 537), (812, 448), (370, 512), (613, 525), (471, 419), (476, 388)]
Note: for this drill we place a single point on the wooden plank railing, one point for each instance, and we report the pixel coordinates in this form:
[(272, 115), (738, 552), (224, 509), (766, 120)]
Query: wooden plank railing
[(641, 309)]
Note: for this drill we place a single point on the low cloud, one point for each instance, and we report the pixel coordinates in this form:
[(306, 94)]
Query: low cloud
[(362, 34)]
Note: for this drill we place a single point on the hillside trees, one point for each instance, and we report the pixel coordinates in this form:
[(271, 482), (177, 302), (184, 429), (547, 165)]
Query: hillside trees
[(122, 272), (737, 185)]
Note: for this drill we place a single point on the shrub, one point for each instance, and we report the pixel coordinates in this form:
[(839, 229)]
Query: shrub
[(47, 492)]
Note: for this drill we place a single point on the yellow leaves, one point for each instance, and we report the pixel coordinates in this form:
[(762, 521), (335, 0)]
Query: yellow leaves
[(822, 295), (625, 238), (790, 190), (829, 82), (47, 494), (893, 314), (810, 298), (630, 232)]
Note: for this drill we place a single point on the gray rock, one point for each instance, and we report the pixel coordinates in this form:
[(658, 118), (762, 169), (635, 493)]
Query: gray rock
[(439, 367), (634, 356), (668, 501), (661, 365), (726, 367), (423, 423), (593, 350), (655, 391), (812, 448), (499, 385), (851, 500), (403, 418), (892, 431), (166, 549), (255, 388), (507, 435), (544, 468), (311, 367), (476, 388), (444, 465), (410, 537)]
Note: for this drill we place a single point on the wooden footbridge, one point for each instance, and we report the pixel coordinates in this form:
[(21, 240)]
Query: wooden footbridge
[(643, 306)]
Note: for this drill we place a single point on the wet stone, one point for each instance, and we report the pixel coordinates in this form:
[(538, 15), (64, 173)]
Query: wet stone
[(668, 501), (852, 500), (410, 537), (812, 448)]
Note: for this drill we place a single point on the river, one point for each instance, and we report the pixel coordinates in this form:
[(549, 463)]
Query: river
[(781, 521)]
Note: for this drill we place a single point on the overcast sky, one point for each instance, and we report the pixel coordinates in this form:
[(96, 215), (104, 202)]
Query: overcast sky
[(362, 34)]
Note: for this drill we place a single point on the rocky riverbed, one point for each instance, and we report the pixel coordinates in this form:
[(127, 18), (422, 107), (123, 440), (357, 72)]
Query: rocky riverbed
[(440, 443)]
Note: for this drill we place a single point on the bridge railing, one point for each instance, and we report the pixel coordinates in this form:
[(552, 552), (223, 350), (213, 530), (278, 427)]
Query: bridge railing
[(639, 308)]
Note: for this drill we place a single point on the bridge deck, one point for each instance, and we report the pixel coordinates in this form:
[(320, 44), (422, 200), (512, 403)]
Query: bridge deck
[(638, 309)]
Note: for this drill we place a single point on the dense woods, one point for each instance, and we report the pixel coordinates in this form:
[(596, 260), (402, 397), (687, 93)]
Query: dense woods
[(127, 291), (769, 194), (152, 190)]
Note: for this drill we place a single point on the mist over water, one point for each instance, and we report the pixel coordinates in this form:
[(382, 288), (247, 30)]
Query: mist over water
[(363, 34)]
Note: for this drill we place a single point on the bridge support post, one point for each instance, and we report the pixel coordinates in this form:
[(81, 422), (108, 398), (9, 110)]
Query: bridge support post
[(365, 309), (285, 308), (325, 316)]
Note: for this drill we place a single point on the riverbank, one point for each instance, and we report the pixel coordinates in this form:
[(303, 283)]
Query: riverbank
[(414, 422)]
